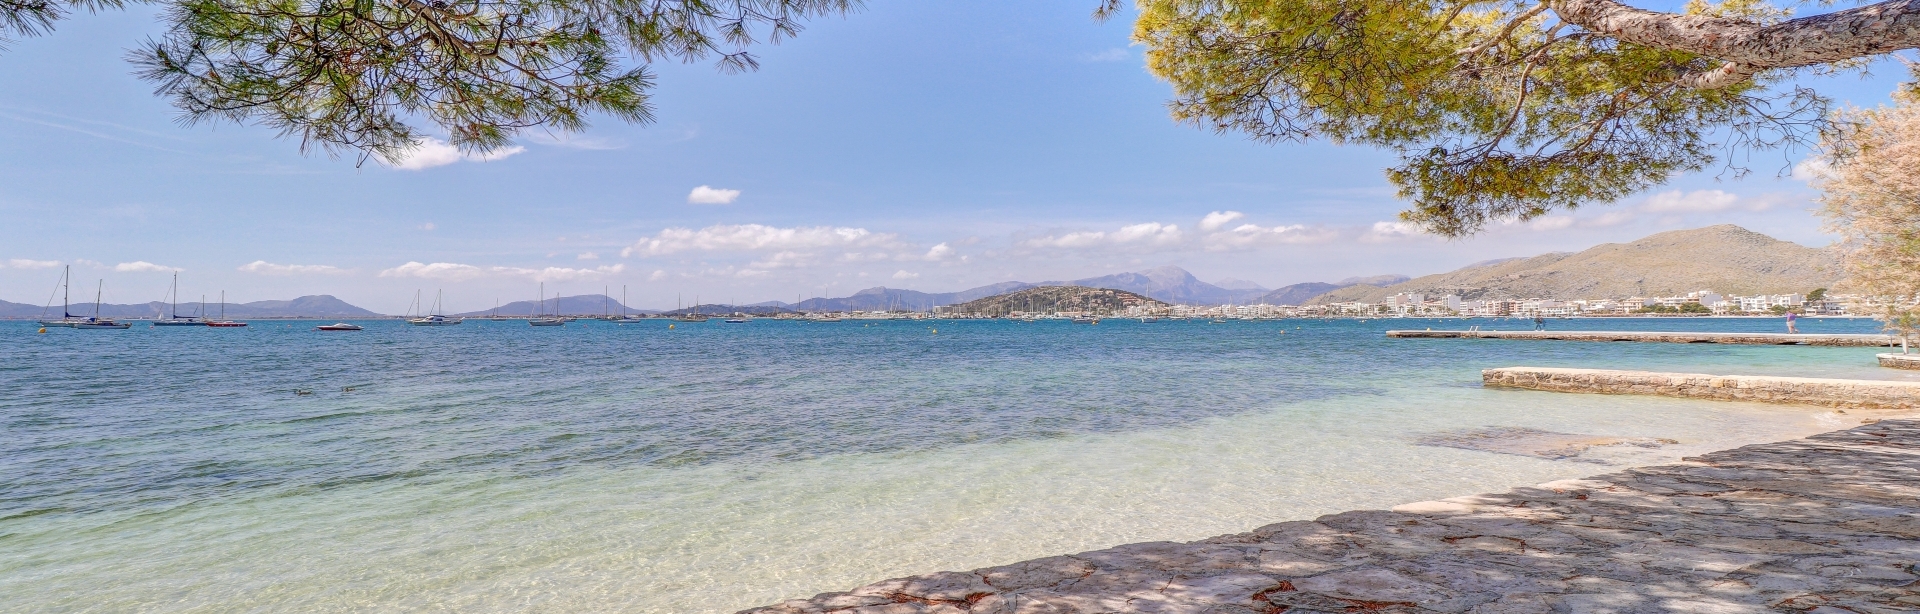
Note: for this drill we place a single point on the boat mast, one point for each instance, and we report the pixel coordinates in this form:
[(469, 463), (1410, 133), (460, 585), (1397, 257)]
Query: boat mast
[(96, 298), (66, 283)]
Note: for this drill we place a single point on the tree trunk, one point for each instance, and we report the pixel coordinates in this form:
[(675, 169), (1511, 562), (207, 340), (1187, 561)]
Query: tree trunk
[(1747, 47)]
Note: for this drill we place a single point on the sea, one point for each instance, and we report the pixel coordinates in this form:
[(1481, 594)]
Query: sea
[(710, 467)]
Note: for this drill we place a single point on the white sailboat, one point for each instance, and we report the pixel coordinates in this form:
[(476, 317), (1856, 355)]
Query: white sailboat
[(67, 319), (97, 322), (541, 320), (434, 318), (174, 319), (223, 322)]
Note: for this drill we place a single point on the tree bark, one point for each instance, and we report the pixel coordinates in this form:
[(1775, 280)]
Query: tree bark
[(1747, 47)]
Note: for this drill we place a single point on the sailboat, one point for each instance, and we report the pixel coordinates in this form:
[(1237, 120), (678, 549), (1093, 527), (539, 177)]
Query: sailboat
[(541, 320), (174, 319), (695, 316), (66, 316), (627, 318), (97, 322), (433, 319), (223, 322)]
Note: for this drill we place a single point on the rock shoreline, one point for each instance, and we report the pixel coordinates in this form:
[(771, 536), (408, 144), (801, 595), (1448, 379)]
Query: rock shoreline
[(1843, 393), (1830, 523)]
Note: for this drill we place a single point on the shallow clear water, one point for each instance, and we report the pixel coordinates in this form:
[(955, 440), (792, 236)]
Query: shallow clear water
[(711, 467)]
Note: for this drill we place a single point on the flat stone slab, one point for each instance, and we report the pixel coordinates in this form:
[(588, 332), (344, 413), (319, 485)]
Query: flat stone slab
[(1830, 523), (1899, 361), (1848, 393), (1654, 337)]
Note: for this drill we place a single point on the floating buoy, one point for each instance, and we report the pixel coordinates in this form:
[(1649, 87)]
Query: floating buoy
[(669, 327), (43, 329)]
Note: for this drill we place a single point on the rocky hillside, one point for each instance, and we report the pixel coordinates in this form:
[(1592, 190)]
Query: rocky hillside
[(1726, 259), (1053, 299)]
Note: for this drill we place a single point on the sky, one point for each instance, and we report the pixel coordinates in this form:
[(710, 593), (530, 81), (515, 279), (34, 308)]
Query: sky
[(930, 145)]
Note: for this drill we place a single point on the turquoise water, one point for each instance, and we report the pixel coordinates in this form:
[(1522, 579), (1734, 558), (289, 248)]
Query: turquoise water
[(494, 466)]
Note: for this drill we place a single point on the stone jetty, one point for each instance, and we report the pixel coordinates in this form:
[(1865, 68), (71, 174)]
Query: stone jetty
[(1845, 393), (1655, 337), (1830, 523), (1899, 361)]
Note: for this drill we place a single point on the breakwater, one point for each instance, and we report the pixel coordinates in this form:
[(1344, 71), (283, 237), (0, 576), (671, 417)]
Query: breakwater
[(1824, 392), (1845, 340), (1899, 361), (1826, 522)]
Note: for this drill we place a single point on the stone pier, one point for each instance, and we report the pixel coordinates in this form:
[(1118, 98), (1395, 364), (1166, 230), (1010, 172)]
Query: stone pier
[(1655, 337), (1899, 361), (1846, 393), (1830, 523)]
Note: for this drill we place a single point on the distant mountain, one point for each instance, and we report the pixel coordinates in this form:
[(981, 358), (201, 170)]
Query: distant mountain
[(1168, 283), (757, 309), (1299, 294), (884, 298), (316, 306), (1054, 299), (1231, 283), (1725, 258), (1377, 280), (582, 305)]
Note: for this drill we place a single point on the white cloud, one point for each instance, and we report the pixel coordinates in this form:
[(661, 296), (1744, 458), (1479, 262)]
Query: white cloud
[(657, 275), (756, 237), (783, 260), (23, 263), (432, 152), (437, 270), (587, 256), (939, 252), (263, 267), (705, 195), (1250, 235), (142, 266), (457, 272), (1150, 233), (1219, 219), (1115, 54), (1552, 222), (1697, 201), (1812, 169), (902, 274), (1390, 231)]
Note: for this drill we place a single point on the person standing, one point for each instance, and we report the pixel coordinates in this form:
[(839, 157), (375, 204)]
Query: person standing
[(1791, 328), (1539, 323)]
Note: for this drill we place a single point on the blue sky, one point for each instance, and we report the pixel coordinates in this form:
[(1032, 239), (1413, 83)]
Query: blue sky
[(925, 145)]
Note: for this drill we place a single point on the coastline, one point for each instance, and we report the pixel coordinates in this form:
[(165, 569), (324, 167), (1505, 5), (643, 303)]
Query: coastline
[(1828, 520)]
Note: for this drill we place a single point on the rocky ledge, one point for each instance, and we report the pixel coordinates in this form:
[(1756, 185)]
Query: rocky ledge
[(1830, 523), (1899, 361), (1848, 393)]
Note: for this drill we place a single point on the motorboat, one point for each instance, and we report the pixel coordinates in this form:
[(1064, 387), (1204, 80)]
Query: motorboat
[(1085, 320), (338, 326), (1149, 320), (736, 320)]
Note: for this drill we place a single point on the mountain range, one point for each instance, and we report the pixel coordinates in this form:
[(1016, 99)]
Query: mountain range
[(1727, 259)]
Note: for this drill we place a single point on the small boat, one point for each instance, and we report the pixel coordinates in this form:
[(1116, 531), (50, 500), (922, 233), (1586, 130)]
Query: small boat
[(175, 319), (223, 322), (1217, 321), (539, 319), (338, 326), (97, 322), (736, 320), (1149, 320), (67, 319)]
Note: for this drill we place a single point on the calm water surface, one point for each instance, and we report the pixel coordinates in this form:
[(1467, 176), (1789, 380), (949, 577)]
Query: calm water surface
[(494, 466)]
